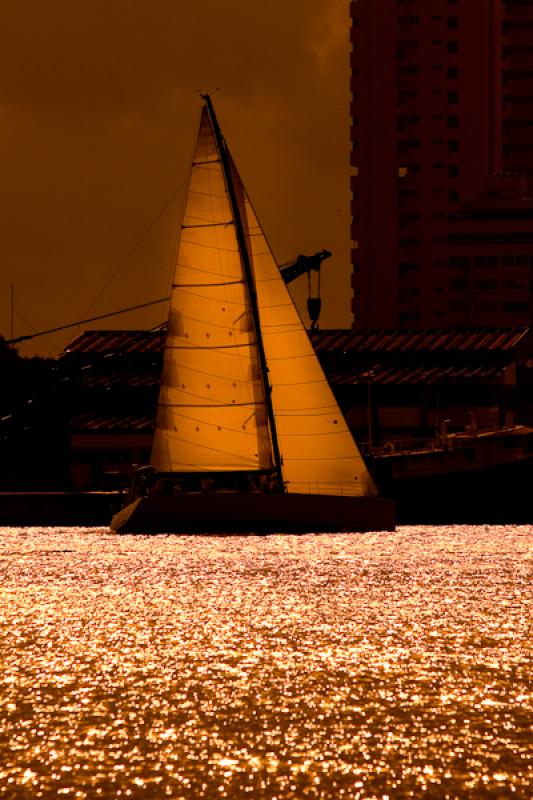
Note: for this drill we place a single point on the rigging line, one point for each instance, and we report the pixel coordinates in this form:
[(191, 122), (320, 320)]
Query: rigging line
[(137, 242), (198, 446), (85, 321), (320, 433), (209, 194), (210, 405), (212, 347), (215, 351), (205, 285), (207, 246), (299, 383), (255, 432), (275, 325), (208, 225), (51, 347), (316, 413), (293, 357), (206, 400), (228, 300), (213, 375), (230, 327), (199, 269), (207, 161)]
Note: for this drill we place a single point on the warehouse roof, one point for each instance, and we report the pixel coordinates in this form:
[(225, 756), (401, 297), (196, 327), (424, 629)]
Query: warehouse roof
[(385, 340)]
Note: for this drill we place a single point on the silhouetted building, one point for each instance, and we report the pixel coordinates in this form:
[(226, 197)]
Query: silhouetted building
[(442, 139), (398, 389)]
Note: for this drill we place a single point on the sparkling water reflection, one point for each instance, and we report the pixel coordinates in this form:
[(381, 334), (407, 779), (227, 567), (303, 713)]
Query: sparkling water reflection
[(339, 666)]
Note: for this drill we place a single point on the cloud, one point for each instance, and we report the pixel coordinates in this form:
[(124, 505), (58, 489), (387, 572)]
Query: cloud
[(328, 35)]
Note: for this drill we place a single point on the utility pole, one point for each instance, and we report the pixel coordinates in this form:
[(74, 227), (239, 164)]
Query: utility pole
[(12, 324)]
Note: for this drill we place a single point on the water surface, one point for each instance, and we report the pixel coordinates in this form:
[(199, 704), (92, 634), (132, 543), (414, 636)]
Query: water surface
[(387, 665)]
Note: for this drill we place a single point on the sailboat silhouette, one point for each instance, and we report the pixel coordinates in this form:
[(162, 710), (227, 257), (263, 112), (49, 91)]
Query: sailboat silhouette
[(249, 436)]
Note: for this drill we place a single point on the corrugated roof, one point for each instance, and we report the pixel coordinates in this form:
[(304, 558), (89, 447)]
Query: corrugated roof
[(386, 374), (112, 423), (354, 341), (423, 340), (107, 342), (96, 379)]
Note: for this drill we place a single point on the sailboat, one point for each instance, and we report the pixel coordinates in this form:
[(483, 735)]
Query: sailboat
[(248, 437)]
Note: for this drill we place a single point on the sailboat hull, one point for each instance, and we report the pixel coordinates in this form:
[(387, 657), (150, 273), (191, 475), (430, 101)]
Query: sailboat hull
[(254, 514)]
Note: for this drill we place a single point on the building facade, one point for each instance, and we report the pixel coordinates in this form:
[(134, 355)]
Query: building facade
[(442, 162), (398, 390)]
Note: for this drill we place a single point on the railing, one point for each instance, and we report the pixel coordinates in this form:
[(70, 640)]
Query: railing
[(450, 441)]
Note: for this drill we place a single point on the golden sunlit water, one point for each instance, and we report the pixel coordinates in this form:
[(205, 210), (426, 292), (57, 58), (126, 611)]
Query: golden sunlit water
[(387, 665)]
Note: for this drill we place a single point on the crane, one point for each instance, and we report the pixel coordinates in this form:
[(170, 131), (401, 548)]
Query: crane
[(308, 264)]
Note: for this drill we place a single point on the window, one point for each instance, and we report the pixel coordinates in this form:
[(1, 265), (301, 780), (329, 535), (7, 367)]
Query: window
[(453, 121), (408, 317), (515, 285), (458, 306), (409, 266), (453, 146), (405, 293), (453, 47), (406, 144), (457, 284), (453, 171), (459, 261), (453, 97)]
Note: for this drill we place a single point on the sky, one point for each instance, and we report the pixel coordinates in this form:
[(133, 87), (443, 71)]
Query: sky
[(99, 106)]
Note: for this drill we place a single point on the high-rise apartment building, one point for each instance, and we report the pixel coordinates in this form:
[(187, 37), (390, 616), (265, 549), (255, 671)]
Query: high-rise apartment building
[(442, 162)]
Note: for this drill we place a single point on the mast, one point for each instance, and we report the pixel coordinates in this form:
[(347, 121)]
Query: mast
[(243, 249)]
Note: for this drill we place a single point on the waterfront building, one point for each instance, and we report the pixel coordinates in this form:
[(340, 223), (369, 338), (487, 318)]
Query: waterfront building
[(398, 388), (442, 159)]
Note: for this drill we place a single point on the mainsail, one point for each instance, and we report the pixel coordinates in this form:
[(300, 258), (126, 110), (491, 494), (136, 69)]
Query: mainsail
[(214, 399), (211, 413)]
